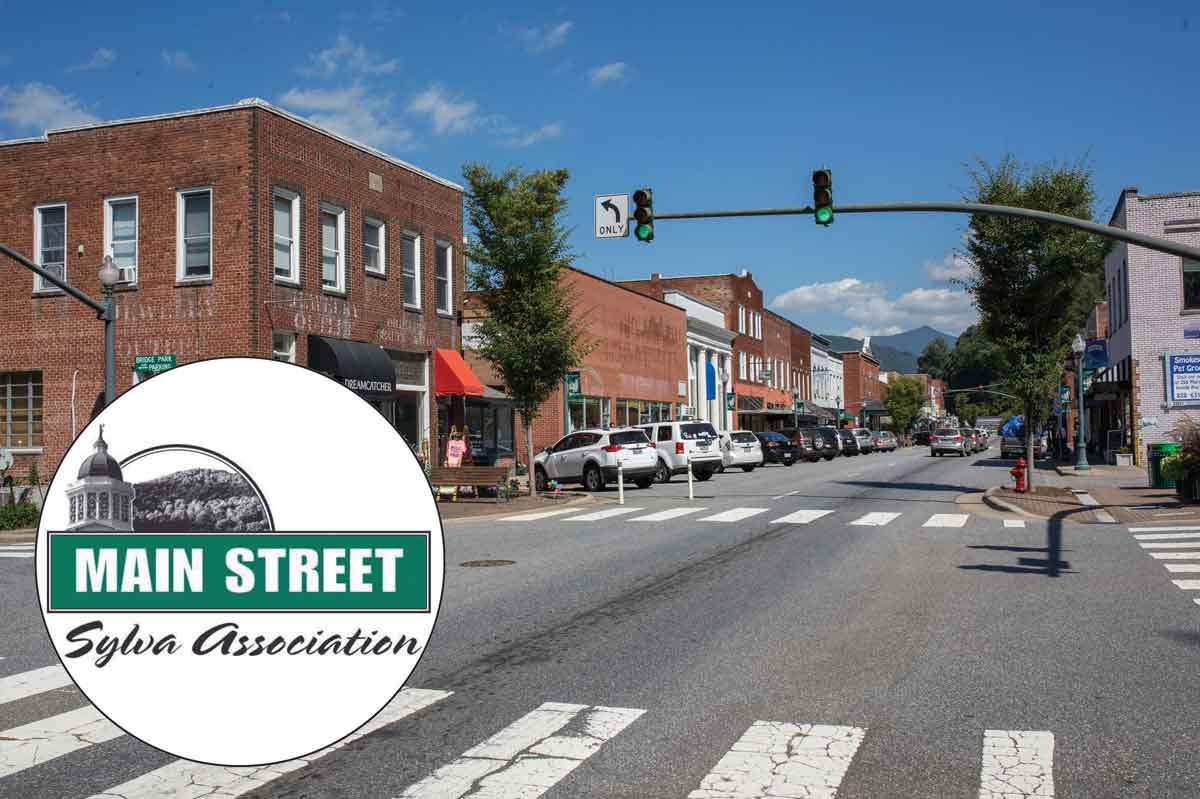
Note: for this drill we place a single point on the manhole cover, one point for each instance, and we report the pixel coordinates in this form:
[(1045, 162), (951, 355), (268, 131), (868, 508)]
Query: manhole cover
[(480, 563)]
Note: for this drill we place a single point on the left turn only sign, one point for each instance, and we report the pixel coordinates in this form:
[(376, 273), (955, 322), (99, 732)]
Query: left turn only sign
[(612, 216)]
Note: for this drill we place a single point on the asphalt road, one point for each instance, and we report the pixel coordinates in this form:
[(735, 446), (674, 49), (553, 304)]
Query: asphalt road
[(687, 654)]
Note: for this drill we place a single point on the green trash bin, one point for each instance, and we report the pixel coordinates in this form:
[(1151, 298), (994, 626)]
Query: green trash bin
[(1157, 453)]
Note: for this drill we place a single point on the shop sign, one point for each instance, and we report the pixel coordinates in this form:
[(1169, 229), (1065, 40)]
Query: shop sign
[(1191, 329), (730, 401), (153, 364), (573, 388), (1088, 376), (1095, 356), (1183, 378)]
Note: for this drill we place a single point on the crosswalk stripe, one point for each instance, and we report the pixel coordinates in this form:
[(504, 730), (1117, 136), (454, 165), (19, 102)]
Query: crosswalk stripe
[(541, 514), (1174, 555), (174, 779), (528, 757), (875, 519), (1165, 536), (664, 515), (30, 683), (602, 514), (1014, 523), (947, 520), (1183, 568), (734, 515), (1168, 545), (40, 741), (777, 759), (16, 554), (1017, 763), (17, 546), (1162, 529), (1188, 585), (802, 517)]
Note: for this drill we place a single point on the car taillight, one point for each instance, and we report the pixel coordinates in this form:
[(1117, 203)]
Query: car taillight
[(678, 447), (958, 438), (613, 448)]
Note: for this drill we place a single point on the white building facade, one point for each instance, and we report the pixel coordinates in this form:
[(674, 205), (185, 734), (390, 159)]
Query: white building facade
[(710, 359), (827, 375)]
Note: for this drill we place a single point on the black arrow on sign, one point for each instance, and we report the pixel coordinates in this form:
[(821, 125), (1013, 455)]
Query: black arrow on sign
[(616, 211)]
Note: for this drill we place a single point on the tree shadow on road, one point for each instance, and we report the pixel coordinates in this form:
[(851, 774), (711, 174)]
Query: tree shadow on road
[(1051, 566), (903, 486)]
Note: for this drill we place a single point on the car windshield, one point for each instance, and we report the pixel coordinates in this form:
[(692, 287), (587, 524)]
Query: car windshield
[(628, 437), (743, 438), (690, 432)]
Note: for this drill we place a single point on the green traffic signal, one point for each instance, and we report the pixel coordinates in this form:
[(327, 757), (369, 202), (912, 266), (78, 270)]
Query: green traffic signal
[(644, 233), (824, 216), (643, 199), (822, 196)]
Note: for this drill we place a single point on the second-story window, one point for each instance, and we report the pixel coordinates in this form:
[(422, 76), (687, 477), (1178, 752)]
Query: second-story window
[(50, 244), (121, 235), (286, 215), (410, 266), (374, 244), (1191, 285), (333, 248), (443, 259), (194, 234)]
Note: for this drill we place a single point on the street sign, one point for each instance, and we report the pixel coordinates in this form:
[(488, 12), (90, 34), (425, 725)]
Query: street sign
[(573, 391), (612, 216), (730, 401), (1064, 393), (152, 364)]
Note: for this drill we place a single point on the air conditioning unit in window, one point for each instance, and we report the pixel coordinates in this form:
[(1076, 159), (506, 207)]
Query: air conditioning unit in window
[(127, 274)]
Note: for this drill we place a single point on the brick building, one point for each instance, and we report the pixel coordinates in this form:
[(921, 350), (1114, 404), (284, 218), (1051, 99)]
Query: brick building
[(238, 230), (861, 381), (636, 373)]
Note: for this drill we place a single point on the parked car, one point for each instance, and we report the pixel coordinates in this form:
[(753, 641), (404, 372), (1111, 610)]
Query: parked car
[(866, 444), (947, 439), (884, 441), (972, 439), (921, 438), (740, 448), (1014, 446), (591, 457), (985, 439), (777, 448), (807, 441), (831, 442), (849, 442), (679, 442)]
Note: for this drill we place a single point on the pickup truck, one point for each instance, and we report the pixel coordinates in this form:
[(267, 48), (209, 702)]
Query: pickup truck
[(1014, 447)]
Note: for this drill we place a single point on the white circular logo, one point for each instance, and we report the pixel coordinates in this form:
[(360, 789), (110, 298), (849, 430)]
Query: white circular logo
[(239, 562)]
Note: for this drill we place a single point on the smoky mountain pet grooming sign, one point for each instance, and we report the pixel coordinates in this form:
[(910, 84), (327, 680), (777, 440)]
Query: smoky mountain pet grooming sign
[(240, 562)]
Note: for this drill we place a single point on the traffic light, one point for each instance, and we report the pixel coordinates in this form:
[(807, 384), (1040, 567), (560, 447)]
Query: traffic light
[(823, 196), (643, 200)]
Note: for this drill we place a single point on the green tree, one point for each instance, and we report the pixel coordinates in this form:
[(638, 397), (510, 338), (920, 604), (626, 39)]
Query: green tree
[(1033, 282), (903, 402), (934, 359), (529, 332)]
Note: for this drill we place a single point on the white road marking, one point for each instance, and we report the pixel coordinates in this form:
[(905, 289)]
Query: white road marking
[(1104, 517), (1174, 513), (1087, 499), (1166, 536), (778, 759), (602, 514), (1175, 555), (1168, 545), (529, 756), (1183, 568), (947, 520), (196, 780), (18, 554), (541, 514), (31, 683), (1197, 601), (17, 546), (1017, 764), (875, 519), (40, 741), (1161, 529), (1188, 585), (788, 494), (669, 513), (734, 515), (802, 517), (1014, 522)]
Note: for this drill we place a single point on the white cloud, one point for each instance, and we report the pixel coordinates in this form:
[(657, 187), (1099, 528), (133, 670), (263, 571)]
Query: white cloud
[(448, 116), (540, 38), (873, 312), (100, 59), (347, 56), (863, 332), (178, 59), (954, 266), (350, 112), (551, 131), (608, 72), (39, 107), (815, 295)]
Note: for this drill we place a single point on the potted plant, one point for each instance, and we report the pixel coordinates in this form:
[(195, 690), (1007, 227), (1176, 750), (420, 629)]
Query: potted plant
[(1124, 456), (1184, 466)]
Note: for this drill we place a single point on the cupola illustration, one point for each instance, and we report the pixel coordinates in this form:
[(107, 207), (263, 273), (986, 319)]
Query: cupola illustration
[(100, 499)]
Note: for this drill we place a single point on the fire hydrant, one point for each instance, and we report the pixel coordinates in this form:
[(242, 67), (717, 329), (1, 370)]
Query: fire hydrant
[(1018, 473)]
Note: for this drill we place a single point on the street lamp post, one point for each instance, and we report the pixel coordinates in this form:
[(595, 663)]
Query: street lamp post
[(1077, 347)]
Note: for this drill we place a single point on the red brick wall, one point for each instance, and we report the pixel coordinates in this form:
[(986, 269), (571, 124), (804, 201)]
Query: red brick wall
[(777, 346), (802, 359), (861, 379)]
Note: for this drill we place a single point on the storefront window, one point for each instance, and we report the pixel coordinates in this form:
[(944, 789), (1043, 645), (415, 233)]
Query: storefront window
[(491, 429), (588, 411), (408, 416)]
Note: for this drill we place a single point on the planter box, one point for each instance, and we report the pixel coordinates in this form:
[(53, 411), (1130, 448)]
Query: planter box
[(1124, 458), (1189, 488)]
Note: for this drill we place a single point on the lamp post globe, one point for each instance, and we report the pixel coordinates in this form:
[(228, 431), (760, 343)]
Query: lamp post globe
[(109, 274), (1081, 462)]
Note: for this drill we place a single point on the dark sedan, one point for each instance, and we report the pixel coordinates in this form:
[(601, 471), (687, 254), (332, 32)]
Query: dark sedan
[(778, 449)]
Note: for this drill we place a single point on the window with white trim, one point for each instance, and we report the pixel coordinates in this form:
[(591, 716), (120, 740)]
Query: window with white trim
[(193, 234), (442, 276), (121, 235), (410, 268), (20, 410), (333, 248), (286, 214), (50, 243), (283, 347), (374, 246), (741, 323)]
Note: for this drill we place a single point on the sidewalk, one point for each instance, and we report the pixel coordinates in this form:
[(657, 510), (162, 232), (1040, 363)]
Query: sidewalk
[(523, 503)]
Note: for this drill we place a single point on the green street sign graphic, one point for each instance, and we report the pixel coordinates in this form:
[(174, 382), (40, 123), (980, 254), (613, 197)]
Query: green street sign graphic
[(153, 363), (259, 572), (573, 390)]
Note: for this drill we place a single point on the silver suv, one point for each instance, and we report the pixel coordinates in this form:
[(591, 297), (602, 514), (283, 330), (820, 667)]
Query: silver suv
[(682, 442)]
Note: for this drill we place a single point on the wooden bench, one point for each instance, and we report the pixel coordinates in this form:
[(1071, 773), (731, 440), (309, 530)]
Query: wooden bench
[(474, 476)]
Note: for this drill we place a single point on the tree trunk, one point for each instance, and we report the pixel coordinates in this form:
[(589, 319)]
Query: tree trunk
[(1029, 447), (529, 454)]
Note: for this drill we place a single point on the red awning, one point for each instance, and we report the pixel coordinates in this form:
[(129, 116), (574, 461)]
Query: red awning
[(453, 377)]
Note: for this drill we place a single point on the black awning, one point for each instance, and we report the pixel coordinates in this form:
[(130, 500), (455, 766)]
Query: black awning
[(365, 369)]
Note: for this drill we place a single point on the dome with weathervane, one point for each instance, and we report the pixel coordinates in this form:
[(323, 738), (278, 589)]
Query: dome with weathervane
[(100, 464), (100, 499)]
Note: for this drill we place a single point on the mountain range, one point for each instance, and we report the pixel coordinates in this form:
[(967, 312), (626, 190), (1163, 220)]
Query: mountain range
[(898, 352)]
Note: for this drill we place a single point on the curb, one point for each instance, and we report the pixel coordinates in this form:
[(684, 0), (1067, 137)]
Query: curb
[(579, 500), (995, 503)]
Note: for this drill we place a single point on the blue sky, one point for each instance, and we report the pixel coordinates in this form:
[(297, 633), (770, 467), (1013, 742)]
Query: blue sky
[(714, 105)]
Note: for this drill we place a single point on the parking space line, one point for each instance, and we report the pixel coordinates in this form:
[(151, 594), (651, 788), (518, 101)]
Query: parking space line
[(1019, 523), (541, 514), (1188, 585), (1183, 568), (1162, 529), (1175, 555), (1168, 545)]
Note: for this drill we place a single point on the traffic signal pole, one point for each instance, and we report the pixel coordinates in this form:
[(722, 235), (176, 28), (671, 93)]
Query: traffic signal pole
[(1120, 234)]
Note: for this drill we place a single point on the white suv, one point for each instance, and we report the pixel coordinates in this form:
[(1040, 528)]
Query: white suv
[(681, 442), (591, 457), (740, 448)]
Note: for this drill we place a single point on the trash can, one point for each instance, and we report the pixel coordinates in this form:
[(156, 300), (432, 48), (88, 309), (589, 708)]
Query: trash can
[(1157, 453)]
